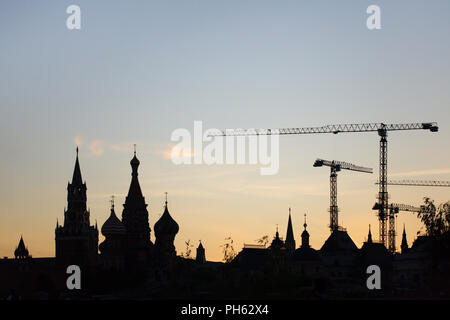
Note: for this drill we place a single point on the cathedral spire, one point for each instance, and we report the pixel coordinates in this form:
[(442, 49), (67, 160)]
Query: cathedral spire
[(404, 245), (135, 188), (200, 257), (76, 196), (369, 237), (290, 241), (135, 217), (76, 178)]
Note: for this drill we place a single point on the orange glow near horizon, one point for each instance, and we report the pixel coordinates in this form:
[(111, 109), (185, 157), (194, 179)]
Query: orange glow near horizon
[(222, 201)]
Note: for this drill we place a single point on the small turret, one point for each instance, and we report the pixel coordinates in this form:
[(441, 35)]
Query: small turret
[(305, 236)]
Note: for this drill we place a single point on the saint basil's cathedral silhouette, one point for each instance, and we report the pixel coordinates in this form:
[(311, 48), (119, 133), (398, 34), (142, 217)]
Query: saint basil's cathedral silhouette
[(127, 248)]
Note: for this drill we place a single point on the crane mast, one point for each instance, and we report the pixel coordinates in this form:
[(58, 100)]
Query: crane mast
[(335, 167), (381, 128), (394, 208)]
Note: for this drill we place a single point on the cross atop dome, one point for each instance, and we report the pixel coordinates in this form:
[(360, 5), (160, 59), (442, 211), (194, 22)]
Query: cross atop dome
[(305, 225)]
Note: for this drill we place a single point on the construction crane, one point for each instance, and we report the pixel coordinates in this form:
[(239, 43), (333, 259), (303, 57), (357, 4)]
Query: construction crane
[(382, 130), (395, 208), (335, 167), (419, 183), (428, 183)]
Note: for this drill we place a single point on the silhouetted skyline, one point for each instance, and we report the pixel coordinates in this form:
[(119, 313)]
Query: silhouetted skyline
[(134, 73)]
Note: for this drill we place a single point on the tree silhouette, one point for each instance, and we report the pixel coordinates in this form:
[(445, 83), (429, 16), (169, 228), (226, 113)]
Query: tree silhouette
[(264, 240), (435, 219), (228, 250), (188, 252)]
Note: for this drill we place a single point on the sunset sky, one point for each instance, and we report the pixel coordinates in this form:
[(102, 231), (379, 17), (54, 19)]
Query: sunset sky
[(138, 70)]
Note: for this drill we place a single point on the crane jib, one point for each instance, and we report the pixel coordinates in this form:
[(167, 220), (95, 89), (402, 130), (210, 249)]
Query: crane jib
[(381, 128)]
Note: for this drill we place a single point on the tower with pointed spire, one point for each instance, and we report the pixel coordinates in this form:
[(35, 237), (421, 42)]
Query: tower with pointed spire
[(166, 229), (200, 257), (21, 251), (135, 219), (369, 236), (404, 245), (290, 241), (76, 240)]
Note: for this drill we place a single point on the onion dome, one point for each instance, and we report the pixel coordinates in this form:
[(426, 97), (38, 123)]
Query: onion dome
[(135, 161), (21, 251), (166, 225), (113, 225)]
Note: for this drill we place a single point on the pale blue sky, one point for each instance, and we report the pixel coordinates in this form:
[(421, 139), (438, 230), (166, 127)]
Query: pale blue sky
[(137, 70)]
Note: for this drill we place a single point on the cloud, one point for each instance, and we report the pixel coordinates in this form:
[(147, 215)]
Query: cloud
[(167, 153), (96, 148), (420, 173), (78, 141), (121, 147)]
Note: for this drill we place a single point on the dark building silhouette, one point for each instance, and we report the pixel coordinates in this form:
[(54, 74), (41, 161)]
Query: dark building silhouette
[(340, 255), (307, 260), (376, 253), (76, 240), (131, 266)]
